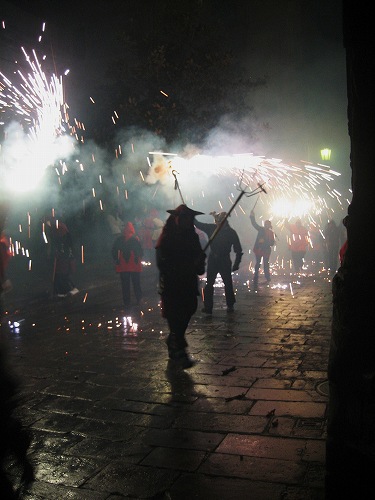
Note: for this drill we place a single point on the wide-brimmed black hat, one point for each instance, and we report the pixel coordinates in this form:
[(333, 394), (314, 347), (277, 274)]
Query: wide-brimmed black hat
[(184, 210)]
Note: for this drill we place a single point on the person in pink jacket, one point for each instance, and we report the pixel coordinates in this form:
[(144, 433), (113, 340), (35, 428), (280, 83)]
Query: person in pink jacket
[(127, 253)]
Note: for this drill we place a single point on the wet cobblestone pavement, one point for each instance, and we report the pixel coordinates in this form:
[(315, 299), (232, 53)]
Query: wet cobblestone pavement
[(111, 418)]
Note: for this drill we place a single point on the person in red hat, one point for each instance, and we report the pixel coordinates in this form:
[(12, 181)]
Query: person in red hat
[(127, 252), (180, 261)]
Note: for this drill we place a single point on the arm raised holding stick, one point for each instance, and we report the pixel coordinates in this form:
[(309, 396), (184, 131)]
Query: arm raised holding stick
[(259, 189)]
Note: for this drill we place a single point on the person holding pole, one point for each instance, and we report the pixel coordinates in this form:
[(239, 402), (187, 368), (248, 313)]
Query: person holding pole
[(180, 260), (262, 248), (219, 261)]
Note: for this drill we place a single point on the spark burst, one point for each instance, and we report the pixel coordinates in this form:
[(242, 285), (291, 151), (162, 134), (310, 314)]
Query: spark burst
[(38, 131), (294, 189)]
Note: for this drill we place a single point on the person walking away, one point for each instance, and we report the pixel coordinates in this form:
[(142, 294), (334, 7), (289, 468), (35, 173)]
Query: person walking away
[(127, 253), (298, 243), (219, 260), (332, 245), (262, 248), (180, 260), (64, 259)]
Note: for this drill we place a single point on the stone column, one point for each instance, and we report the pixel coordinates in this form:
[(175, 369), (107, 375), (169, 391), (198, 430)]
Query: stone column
[(351, 370)]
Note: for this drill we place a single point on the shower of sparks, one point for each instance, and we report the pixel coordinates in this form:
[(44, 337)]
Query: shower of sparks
[(293, 189), (37, 129)]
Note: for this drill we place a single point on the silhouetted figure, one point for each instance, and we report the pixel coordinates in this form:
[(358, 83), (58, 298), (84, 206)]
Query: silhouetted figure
[(262, 248), (219, 261), (180, 261), (331, 245), (127, 253), (64, 263), (298, 243)]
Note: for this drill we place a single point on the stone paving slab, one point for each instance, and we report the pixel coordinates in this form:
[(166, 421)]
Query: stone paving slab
[(213, 487), (112, 418)]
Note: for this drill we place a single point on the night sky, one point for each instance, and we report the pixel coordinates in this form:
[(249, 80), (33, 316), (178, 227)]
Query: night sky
[(295, 46)]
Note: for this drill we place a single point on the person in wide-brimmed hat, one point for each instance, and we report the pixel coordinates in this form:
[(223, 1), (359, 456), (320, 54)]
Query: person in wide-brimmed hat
[(184, 211), (180, 261)]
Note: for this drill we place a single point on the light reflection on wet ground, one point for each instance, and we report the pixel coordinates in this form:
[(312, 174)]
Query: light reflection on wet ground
[(89, 311)]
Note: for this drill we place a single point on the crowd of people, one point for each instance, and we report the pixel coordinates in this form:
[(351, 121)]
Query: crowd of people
[(132, 244), (183, 248)]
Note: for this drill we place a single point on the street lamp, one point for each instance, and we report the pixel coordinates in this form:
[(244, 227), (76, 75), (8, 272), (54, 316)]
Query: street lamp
[(325, 154)]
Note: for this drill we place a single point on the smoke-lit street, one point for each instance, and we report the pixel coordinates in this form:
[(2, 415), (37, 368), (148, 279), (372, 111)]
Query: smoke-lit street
[(134, 135)]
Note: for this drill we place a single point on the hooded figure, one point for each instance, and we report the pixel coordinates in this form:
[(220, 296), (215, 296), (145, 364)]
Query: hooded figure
[(180, 261), (127, 254), (219, 261), (262, 248)]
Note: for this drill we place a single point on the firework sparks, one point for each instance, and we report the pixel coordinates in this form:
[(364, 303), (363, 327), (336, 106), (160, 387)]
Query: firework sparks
[(37, 133), (295, 190)]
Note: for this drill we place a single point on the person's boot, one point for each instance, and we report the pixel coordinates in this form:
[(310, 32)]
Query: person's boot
[(177, 351)]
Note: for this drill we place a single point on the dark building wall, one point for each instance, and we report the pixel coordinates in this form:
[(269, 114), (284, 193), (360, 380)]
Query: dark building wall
[(351, 370)]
